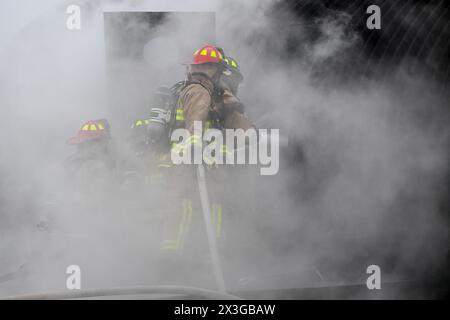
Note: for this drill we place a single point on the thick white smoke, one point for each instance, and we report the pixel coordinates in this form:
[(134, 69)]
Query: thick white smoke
[(366, 189)]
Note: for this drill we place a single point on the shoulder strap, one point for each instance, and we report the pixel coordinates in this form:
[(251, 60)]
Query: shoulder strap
[(216, 96)]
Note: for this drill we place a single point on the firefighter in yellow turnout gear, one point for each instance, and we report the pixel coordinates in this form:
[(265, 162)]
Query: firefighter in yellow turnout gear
[(204, 97)]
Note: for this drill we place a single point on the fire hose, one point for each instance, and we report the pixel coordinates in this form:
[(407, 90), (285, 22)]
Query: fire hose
[(204, 199)]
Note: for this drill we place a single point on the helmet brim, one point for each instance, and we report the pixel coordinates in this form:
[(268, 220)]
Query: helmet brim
[(81, 139), (75, 140)]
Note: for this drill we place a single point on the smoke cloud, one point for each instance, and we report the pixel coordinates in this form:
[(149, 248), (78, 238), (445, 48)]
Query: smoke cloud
[(362, 179)]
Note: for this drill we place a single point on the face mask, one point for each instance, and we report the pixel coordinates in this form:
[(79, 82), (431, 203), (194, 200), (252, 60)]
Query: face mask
[(229, 81)]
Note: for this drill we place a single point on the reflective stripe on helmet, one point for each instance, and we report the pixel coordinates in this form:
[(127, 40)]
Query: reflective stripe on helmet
[(139, 123), (231, 62)]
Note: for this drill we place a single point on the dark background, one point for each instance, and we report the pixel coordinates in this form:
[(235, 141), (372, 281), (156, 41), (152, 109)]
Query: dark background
[(416, 29), (414, 34)]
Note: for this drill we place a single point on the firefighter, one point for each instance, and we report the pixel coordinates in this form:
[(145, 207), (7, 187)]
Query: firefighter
[(233, 110), (232, 77), (138, 138), (134, 169), (91, 167), (196, 101), (149, 150), (207, 98)]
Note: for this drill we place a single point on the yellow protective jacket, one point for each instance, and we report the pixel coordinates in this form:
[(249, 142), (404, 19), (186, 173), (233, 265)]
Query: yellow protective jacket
[(197, 101)]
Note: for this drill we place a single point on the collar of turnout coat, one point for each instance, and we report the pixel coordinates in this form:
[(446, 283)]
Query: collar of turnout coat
[(204, 80)]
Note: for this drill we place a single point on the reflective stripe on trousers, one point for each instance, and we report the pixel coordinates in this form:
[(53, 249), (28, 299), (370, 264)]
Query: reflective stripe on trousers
[(177, 243), (184, 224)]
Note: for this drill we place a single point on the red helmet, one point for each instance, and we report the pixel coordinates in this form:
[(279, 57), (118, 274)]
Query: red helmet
[(91, 130), (207, 54)]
